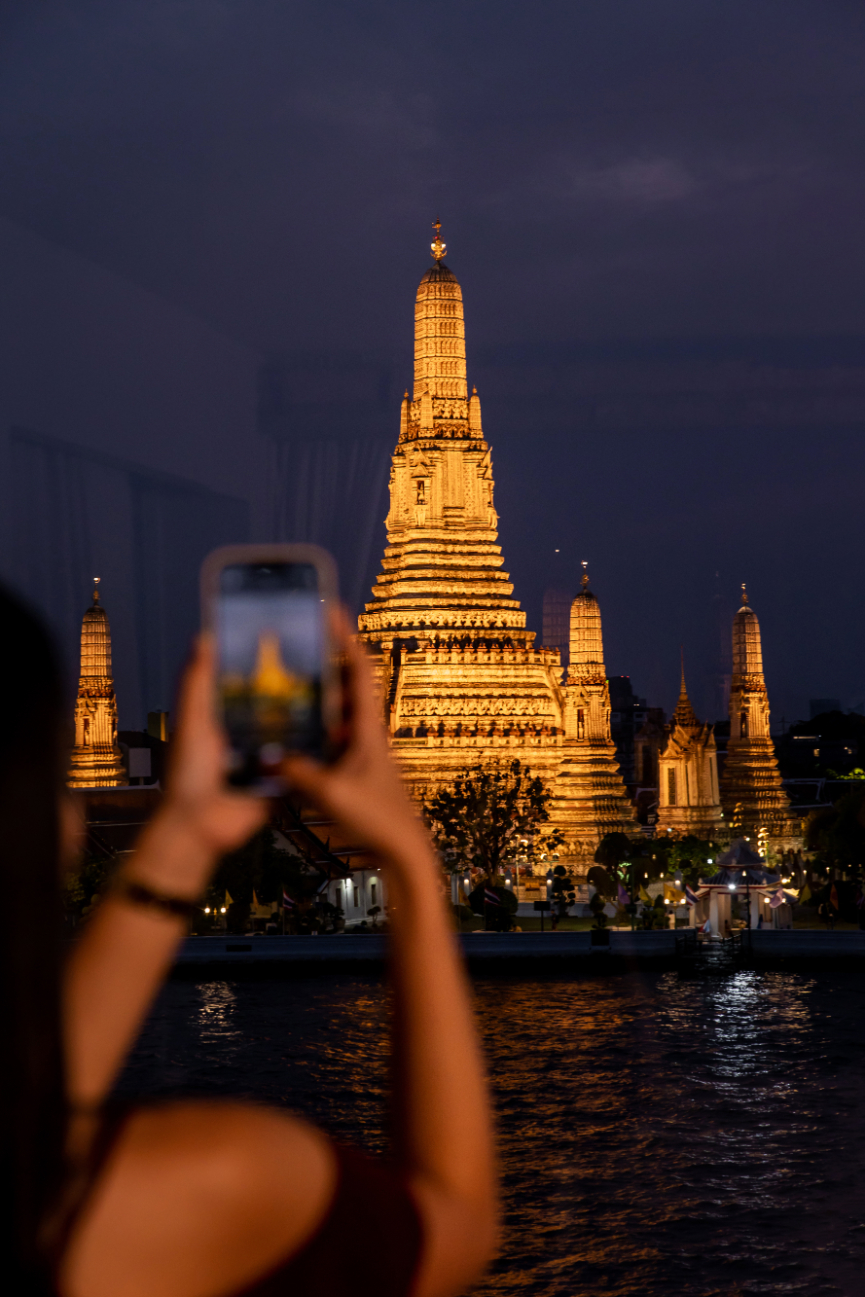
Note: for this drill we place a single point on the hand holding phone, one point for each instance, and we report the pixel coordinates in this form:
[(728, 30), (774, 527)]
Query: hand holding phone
[(277, 681)]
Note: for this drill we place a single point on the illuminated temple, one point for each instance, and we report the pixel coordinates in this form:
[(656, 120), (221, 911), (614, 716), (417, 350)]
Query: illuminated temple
[(96, 760), (752, 794), (688, 796), (461, 681)]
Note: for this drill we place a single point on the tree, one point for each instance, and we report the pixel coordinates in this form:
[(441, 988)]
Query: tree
[(262, 866), (613, 850), (596, 905), (84, 884), (497, 915), (691, 855), (837, 834), (492, 816), (563, 891), (602, 882)]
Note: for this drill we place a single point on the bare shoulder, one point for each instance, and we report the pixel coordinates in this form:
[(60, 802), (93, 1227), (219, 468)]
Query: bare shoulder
[(199, 1198)]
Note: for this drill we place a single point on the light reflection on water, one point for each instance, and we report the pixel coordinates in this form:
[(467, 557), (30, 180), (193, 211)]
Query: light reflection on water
[(656, 1135)]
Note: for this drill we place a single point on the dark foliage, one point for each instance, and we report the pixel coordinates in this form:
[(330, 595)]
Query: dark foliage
[(497, 917), (492, 816), (837, 834)]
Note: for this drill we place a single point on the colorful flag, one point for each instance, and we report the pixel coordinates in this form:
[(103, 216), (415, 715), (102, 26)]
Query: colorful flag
[(287, 902), (833, 897), (490, 897), (707, 927), (228, 900), (777, 898), (644, 896), (624, 898), (690, 897), (805, 894)]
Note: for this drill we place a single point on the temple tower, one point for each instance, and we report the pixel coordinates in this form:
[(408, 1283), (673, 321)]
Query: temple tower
[(461, 681), (688, 796), (96, 758), (752, 795), (590, 793)]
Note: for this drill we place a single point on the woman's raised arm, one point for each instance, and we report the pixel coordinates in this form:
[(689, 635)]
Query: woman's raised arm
[(127, 949), (443, 1122)]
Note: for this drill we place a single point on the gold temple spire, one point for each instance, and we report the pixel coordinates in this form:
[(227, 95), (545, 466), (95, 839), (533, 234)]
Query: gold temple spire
[(586, 638), (96, 760), (684, 713), (440, 346), (584, 579), (437, 247), (752, 793), (460, 680)]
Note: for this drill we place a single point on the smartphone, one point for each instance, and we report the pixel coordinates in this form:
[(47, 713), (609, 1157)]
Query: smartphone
[(277, 677)]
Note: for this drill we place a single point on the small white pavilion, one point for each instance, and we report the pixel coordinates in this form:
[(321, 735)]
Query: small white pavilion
[(742, 877)]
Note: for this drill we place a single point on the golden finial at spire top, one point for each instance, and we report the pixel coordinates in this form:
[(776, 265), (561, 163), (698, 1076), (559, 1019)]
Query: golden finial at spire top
[(96, 581), (744, 594), (584, 579), (437, 247)]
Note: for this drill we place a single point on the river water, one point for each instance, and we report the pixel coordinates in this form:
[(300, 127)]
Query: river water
[(657, 1135)]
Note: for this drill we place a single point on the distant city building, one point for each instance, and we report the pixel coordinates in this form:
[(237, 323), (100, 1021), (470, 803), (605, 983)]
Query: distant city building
[(97, 761), (628, 716), (817, 706), (689, 799), (831, 743), (752, 795), (720, 673), (557, 621)]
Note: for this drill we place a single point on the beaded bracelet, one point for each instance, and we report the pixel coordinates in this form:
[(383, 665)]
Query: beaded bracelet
[(139, 894)]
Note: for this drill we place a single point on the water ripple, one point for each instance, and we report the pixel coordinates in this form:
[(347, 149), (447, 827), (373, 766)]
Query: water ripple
[(656, 1136)]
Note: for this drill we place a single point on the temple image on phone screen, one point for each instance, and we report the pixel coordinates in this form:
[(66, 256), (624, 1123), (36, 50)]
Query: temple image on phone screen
[(270, 645)]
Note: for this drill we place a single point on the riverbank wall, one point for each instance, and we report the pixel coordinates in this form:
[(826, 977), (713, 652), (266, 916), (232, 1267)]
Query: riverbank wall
[(526, 952)]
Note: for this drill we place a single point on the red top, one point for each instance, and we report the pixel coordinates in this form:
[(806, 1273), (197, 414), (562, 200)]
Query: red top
[(367, 1245)]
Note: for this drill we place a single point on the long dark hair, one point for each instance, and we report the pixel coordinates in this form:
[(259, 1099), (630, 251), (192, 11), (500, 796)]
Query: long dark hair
[(32, 1091)]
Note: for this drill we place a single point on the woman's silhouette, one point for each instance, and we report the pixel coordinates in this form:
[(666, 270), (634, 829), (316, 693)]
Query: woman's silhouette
[(205, 1199)]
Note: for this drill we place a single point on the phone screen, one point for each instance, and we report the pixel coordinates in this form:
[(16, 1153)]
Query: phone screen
[(271, 657)]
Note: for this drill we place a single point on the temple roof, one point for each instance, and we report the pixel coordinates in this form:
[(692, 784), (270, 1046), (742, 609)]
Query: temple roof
[(739, 853), (438, 273), (684, 714), (742, 866)]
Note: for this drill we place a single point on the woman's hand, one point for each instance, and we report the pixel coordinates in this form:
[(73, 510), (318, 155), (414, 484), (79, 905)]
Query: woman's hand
[(362, 790), (201, 818)]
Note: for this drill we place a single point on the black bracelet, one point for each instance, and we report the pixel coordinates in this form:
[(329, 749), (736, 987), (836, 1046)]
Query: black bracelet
[(140, 894)]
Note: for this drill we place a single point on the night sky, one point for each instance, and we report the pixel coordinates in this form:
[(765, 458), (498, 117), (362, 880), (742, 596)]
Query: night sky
[(655, 211)]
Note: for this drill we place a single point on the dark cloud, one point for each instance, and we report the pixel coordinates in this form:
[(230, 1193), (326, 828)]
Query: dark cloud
[(654, 207)]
